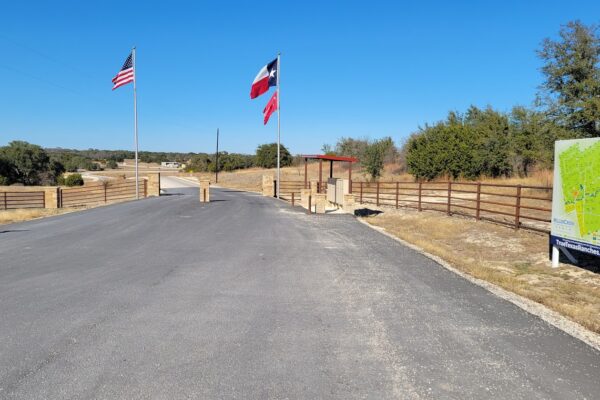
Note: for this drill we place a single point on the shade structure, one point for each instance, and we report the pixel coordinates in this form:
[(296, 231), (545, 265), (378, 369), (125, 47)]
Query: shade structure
[(331, 159)]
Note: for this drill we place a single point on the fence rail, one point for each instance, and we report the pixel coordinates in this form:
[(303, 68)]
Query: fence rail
[(14, 200), (290, 190), (100, 193), (521, 206)]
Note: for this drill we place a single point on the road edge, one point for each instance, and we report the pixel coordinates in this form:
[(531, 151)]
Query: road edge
[(539, 310)]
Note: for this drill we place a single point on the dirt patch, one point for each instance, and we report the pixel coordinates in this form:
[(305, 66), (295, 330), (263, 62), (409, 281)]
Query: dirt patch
[(514, 260)]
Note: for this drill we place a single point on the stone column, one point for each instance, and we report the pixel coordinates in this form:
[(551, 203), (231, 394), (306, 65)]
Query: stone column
[(51, 197), (349, 204), (268, 186), (320, 200), (154, 184), (204, 191), (304, 193)]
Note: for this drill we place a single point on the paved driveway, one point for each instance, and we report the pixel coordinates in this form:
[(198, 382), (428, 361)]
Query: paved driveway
[(247, 298)]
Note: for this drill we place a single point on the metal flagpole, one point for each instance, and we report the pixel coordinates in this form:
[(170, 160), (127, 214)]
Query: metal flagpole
[(217, 159), (278, 124), (137, 183)]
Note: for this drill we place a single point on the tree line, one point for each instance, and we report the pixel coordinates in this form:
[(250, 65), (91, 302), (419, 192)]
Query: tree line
[(30, 164), (265, 157)]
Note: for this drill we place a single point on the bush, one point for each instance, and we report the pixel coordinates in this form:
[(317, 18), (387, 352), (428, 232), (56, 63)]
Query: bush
[(74, 180), (266, 156), (483, 143), (374, 156), (112, 164)]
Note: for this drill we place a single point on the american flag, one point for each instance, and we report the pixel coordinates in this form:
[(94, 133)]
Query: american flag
[(125, 75)]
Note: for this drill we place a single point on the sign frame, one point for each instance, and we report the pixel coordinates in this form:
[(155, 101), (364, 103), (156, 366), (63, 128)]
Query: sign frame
[(571, 201)]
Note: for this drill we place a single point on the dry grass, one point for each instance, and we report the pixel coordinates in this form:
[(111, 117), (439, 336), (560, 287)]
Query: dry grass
[(514, 260), (11, 216), (537, 178), (251, 178)]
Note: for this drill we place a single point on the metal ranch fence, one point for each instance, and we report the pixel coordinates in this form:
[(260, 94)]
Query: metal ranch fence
[(14, 200), (520, 206), (100, 193), (290, 190)]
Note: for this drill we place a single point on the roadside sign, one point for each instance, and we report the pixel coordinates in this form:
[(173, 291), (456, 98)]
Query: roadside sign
[(576, 197)]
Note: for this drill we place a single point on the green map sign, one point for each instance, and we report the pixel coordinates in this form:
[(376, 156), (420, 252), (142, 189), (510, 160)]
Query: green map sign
[(576, 195)]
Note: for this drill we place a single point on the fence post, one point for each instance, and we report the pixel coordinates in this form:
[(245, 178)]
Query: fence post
[(518, 208), (292, 198), (397, 183), (105, 184), (420, 195), (377, 193), (361, 190), (5, 202), (478, 211), (145, 188), (449, 198), (309, 204)]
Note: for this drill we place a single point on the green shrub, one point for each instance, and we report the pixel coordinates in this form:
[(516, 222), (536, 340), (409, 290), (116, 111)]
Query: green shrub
[(74, 180), (112, 164)]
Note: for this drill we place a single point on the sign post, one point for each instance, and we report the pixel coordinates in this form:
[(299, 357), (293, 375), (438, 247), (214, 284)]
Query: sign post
[(576, 199)]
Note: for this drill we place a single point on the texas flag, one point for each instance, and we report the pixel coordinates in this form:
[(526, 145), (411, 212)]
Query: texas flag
[(270, 108), (266, 78)]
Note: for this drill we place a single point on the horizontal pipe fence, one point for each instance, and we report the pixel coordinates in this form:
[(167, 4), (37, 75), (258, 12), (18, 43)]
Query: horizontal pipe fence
[(521, 206), (101, 193), (15, 200), (290, 190)]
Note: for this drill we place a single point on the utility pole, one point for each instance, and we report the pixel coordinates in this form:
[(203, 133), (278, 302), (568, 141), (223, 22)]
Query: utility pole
[(217, 160)]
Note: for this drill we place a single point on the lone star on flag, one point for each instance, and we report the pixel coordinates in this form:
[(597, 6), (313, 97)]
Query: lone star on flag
[(267, 77)]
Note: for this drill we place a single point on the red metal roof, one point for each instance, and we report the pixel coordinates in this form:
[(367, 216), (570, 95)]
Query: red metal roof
[(329, 158)]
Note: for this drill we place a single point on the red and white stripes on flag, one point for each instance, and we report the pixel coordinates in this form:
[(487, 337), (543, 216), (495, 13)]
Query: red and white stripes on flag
[(270, 108), (126, 74)]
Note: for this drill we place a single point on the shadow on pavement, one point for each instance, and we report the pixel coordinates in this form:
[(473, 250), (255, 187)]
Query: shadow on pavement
[(366, 212)]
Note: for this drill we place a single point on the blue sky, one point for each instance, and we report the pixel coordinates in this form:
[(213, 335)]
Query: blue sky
[(349, 68)]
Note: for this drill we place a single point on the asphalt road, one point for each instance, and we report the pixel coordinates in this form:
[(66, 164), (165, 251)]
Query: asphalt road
[(247, 298)]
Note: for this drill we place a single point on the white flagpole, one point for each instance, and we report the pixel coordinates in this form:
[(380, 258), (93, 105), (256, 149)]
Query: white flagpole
[(278, 124), (135, 127)]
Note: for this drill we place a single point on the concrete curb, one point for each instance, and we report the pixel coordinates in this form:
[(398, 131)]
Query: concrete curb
[(552, 317)]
